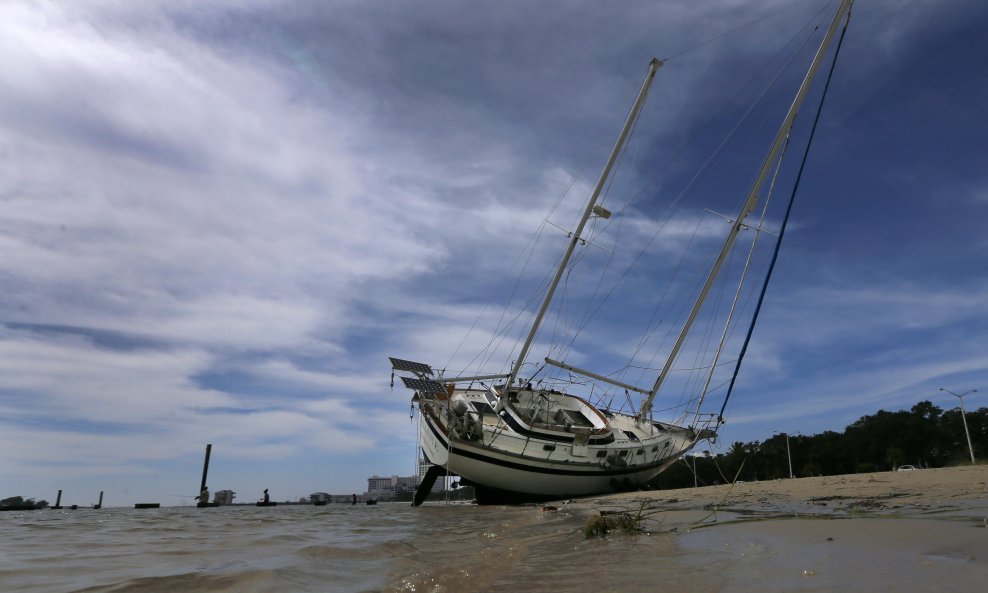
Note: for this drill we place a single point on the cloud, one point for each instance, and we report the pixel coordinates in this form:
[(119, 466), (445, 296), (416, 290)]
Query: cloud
[(218, 220)]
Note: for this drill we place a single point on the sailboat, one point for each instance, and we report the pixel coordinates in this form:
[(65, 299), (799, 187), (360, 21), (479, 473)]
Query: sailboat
[(516, 441)]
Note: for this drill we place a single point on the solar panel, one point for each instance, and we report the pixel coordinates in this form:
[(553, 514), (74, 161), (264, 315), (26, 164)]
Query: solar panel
[(424, 385), (407, 365)]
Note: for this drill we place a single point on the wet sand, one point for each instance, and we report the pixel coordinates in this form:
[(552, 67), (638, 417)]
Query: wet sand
[(923, 530), (901, 493)]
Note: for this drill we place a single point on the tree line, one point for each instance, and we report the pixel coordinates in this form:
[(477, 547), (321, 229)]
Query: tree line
[(924, 436)]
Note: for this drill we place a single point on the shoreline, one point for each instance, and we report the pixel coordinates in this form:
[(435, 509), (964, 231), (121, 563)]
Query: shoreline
[(913, 493), (911, 531)]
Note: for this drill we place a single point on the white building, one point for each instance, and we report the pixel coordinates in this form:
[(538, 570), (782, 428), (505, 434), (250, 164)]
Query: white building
[(223, 497), (385, 488), (438, 485)]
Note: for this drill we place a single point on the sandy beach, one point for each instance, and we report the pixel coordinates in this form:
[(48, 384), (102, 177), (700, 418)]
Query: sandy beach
[(922, 530), (902, 493)]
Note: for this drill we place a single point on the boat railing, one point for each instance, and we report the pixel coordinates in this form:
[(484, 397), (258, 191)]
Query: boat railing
[(702, 426)]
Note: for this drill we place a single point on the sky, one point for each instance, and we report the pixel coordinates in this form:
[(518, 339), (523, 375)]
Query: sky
[(218, 221)]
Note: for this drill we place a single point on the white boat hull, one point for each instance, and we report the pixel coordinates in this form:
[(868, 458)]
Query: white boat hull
[(507, 466)]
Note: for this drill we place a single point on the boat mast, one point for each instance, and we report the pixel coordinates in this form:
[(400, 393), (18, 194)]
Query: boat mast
[(750, 202), (653, 66)]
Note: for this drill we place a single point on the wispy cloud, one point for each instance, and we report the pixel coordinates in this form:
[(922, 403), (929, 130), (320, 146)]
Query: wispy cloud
[(217, 220)]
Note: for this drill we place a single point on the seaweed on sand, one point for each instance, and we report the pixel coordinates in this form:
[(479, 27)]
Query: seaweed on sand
[(619, 521)]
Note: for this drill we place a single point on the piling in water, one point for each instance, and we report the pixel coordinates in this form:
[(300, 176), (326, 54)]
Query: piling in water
[(205, 468)]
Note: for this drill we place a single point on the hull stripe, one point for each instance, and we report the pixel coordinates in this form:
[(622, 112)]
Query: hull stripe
[(597, 472)]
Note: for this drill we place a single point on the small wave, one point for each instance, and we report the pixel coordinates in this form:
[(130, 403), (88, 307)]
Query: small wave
[(390, 549), (190, 582)]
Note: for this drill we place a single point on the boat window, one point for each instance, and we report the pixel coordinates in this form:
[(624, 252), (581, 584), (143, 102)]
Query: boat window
[(482, 408), (631, 436), (573, 417), (548, 447), (601, 453), (640, 452), (624, 453), (654, 449), (490, 398)]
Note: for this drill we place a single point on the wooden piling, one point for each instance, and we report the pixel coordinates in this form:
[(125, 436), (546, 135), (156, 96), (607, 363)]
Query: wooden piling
[(205, 468)]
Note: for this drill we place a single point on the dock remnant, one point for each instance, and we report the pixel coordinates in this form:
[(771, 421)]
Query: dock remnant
[(205, 467), (147, 505), (58, 502), (203, 492)]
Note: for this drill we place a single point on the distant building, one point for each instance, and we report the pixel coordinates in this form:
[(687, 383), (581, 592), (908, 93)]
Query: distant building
[(320, 497), (385, 488), (223, 497), (424, 466)]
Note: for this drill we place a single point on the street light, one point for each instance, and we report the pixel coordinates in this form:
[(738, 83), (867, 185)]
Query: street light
[(788, 454), (964, 418)]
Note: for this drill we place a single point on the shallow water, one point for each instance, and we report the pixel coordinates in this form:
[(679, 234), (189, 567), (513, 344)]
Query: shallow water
[(467, 548)]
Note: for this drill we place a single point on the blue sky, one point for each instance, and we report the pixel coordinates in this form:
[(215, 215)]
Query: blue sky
[(217, 222)]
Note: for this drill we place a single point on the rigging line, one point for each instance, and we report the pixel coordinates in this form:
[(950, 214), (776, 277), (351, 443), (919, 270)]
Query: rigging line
[(625, 150), (638, 194), (678, 369), (742, 281), (536, 295), (560, 309), (677, 202), (488, 350), (590, 311), (501, 333), (741, 120), (530, 249), (785, 221), (820, 17), (678, 406), (665, 293), (541, 290), (734, 30), (723, 108), (690, 286), (703, 347), (521, 273)]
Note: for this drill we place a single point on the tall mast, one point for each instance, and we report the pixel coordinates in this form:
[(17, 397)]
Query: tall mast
[(750, 202), (653, 66)]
